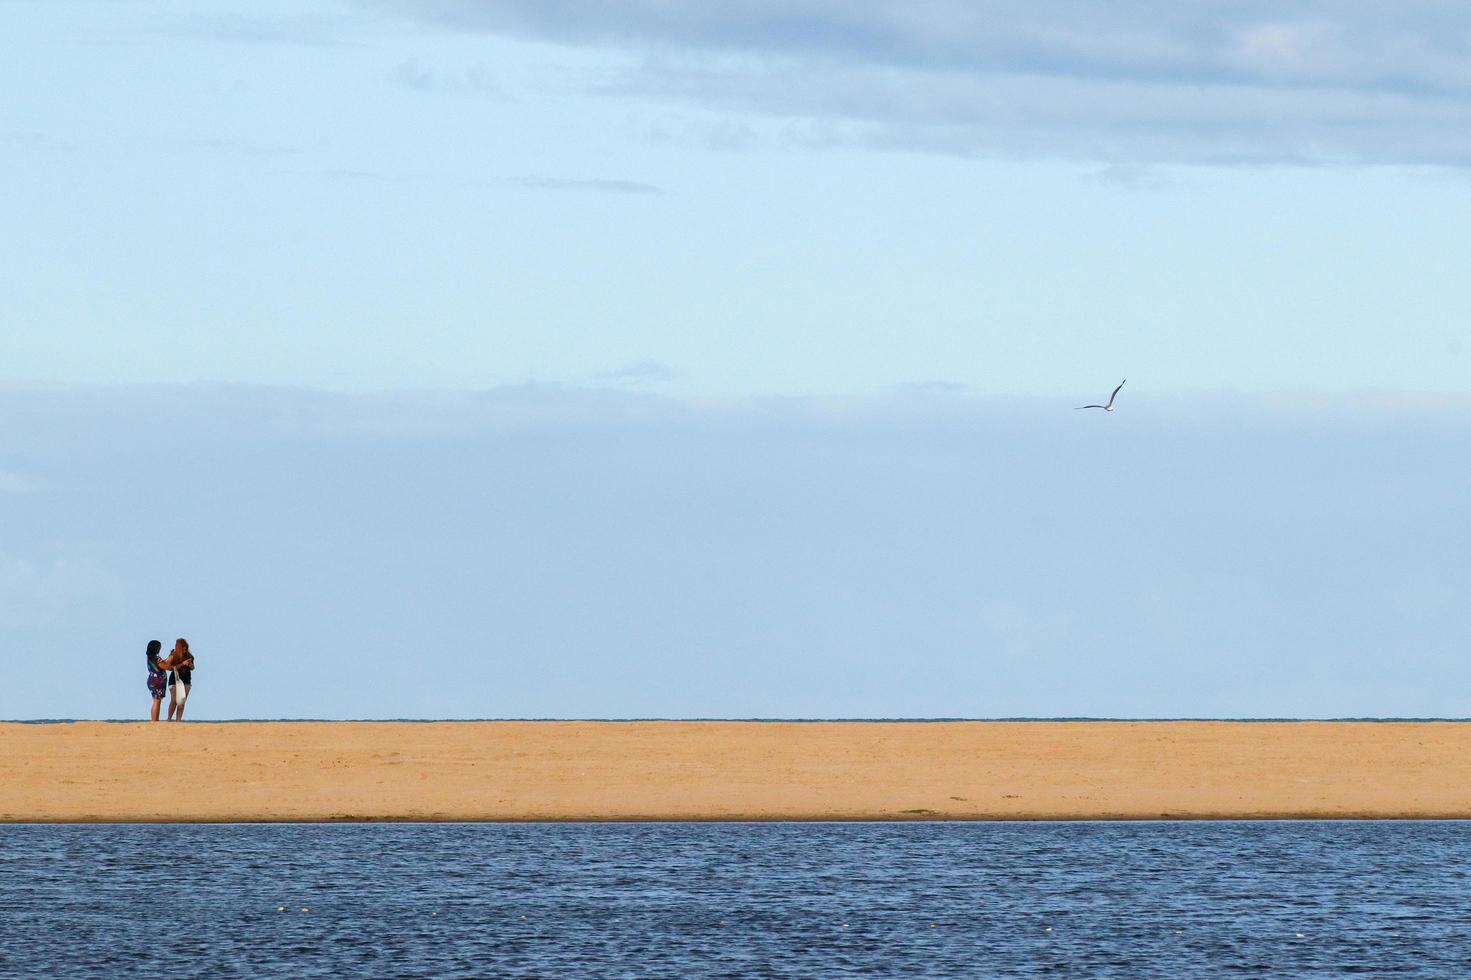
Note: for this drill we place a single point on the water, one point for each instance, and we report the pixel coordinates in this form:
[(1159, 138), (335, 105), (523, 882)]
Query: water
[(906, 900)]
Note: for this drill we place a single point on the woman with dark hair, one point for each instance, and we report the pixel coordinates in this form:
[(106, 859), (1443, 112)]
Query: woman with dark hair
[(157, 678), (180, 665)]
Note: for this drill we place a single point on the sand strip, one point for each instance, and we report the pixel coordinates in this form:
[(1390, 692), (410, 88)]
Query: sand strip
[(314, 771)]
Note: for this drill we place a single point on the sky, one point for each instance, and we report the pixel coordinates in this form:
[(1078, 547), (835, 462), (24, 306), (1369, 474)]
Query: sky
[(460, 358)]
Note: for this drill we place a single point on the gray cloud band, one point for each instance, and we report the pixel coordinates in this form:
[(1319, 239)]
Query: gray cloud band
[(1211, 81)]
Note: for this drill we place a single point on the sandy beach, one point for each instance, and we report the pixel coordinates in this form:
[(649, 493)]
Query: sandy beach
[(322, 771)]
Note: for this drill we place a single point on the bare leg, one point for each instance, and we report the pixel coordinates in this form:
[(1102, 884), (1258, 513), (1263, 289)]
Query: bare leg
[(153, 715), (171, 704), (182, 698)]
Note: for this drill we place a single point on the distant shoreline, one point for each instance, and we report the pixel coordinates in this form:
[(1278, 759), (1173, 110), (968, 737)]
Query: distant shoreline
[(1070, 719), (522, 771)]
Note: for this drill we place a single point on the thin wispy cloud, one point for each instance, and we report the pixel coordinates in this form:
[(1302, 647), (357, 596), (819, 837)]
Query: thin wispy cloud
[(351, 174), (422, 77), (931, 387), (1213, 81), (1130, 177), (597, 184), (637, 373), (241, 146), (258, 28), (369, 175)]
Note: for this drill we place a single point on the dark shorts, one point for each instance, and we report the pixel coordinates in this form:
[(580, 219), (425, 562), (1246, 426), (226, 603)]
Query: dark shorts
[(156, 687)]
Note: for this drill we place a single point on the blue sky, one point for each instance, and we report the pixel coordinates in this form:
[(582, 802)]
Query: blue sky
[(673, 359)]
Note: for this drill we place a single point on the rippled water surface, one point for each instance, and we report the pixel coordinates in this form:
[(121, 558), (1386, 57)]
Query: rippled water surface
[(737, 900)]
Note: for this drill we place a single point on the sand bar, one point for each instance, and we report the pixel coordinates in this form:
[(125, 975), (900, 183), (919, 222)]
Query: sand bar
[(314, 771)]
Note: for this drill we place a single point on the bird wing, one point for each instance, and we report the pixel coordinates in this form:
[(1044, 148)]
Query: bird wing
[(1116, 392)]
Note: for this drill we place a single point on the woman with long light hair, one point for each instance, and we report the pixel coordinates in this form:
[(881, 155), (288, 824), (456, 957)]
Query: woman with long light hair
[(180, 665)]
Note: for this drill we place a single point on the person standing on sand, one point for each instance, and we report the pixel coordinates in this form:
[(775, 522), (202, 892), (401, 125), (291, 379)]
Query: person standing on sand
[(180, 665), (157, 678)]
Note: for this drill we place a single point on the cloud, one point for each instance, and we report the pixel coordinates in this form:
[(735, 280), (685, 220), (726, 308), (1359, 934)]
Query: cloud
[(363, 175), (931, 387), (605, 185), (1216, 81), (415, 74), (722, 135), (349, 174), (267, 29), (1130, 177), (238, 146), (637, 373)]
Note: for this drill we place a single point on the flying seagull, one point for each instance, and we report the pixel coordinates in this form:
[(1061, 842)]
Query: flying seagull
[(1109, 406)]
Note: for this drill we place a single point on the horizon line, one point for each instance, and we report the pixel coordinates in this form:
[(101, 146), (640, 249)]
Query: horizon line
[(1244, 719)]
